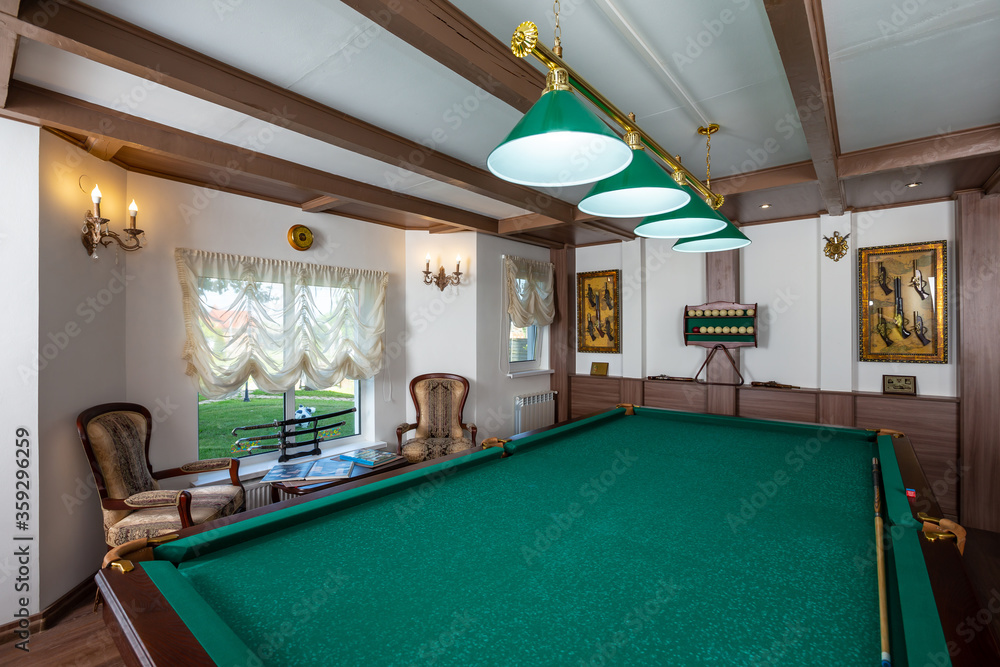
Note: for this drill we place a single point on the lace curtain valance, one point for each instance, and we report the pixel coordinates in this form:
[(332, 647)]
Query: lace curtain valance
[(530, 291)]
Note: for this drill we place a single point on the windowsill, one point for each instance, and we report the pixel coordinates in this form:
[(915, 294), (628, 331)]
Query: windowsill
[(259, 465), (536, 371)]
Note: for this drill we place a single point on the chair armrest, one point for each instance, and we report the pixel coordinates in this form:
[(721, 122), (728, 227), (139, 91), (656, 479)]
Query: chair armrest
[(400, 430), (208, 465), (471, 428), (152, 499)]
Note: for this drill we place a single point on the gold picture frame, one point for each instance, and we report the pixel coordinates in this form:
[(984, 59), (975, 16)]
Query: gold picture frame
[(903, 303), (598, 324), (599, 368)]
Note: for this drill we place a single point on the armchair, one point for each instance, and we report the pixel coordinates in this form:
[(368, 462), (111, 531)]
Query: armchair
[(116, 437), (440, 401)]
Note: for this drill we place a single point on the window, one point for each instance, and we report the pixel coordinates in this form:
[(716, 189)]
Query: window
[(270, 340), (522, 343), (529, 308)]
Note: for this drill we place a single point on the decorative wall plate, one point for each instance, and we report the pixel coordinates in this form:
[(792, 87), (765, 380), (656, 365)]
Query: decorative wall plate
[(300, 237)]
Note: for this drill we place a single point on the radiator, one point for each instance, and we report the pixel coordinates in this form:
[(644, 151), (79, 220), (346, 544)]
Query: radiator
[(533, 411), (258, 494)]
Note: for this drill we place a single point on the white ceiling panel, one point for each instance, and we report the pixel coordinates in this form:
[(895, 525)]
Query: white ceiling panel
[(277, 41), (905, 71)]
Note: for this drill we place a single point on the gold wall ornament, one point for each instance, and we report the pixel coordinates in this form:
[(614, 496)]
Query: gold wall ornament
[(598, 311), (836, 247), (300, 237)]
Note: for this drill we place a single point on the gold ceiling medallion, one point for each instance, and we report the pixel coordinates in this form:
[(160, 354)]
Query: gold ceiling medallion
[(836, 247), (300, 237)]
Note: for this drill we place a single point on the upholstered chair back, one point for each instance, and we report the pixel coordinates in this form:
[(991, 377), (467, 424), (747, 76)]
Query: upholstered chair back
[(439, 404), (119, 441)]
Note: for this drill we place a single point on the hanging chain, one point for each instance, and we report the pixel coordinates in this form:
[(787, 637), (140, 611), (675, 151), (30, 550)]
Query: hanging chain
[(708, 162), (557, 41)]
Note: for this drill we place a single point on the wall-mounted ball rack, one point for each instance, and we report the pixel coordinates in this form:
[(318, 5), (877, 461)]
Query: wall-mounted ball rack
[(724, 323)]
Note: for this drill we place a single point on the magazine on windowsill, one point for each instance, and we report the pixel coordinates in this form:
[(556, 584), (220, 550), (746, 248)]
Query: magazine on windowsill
[(310, 471)]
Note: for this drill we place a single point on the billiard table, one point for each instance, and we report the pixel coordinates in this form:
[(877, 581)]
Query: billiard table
[(634, 536)]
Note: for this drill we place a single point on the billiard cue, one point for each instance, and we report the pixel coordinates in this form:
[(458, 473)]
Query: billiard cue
[(883, 603)]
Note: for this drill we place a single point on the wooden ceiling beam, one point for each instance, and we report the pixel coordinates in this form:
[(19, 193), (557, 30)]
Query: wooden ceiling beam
[(797, 26), (943, 147), (8, 49), (774, 177), (525, 223), (108, 40), (606, 228), (36, 105), (446, 34), (102, 147)]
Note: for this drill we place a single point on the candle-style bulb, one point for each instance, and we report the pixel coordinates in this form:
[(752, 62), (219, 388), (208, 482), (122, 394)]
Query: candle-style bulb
[(132, 208), (95, 195), (427, 267)]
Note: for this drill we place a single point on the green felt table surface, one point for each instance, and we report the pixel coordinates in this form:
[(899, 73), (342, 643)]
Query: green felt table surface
[(637, 540)]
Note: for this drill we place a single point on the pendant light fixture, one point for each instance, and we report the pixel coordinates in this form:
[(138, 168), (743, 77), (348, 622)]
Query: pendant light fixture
[(559, 142), (642, 188), (728, 238), (694, 219)]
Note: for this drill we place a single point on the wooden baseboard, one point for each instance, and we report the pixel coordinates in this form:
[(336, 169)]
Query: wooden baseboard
[(54, 613)]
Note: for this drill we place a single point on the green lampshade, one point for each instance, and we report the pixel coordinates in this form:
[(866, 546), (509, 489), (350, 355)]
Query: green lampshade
[(559, 142), (729, 238), (642, 188), (696, 218)]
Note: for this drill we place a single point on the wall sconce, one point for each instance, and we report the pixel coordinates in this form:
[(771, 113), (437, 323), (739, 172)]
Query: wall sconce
[(96, 232), (441, 279)]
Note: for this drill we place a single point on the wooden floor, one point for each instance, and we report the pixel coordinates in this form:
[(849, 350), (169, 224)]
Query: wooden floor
[(81, 640)]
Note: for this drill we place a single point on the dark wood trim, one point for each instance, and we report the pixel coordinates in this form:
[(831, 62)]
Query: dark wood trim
[(606, 227), (110, 41), (954, 593), (992, 184), (901, 204), (562, 331), (55, 612), (918, 152), (977, 226), (37, 105), (320, 204), (526, 223), (797, 27), (443, 32)]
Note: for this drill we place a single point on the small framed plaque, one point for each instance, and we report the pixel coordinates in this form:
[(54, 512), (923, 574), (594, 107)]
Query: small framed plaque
[(599, 368), (899, 384)]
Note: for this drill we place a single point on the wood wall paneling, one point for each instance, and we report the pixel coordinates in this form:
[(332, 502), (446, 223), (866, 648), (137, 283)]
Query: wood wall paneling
[(632, 391), (977, 223), (683, 396), (562, 331), (932, 427), (788, 405), (723, 281), (835, 409), (594, 394)]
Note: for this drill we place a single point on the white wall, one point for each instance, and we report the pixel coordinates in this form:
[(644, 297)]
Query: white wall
[(82, 306), (495, 392), (910, 224), (673, 281), (178, 215), (441, 325), (807, 303), (780, 273), (19, 358)]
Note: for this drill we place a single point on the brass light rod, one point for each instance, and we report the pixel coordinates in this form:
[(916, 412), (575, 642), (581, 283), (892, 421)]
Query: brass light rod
[(525, 41)]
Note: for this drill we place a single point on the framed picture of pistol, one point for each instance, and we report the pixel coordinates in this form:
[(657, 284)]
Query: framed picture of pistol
[(903, 303), (598, 324)]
